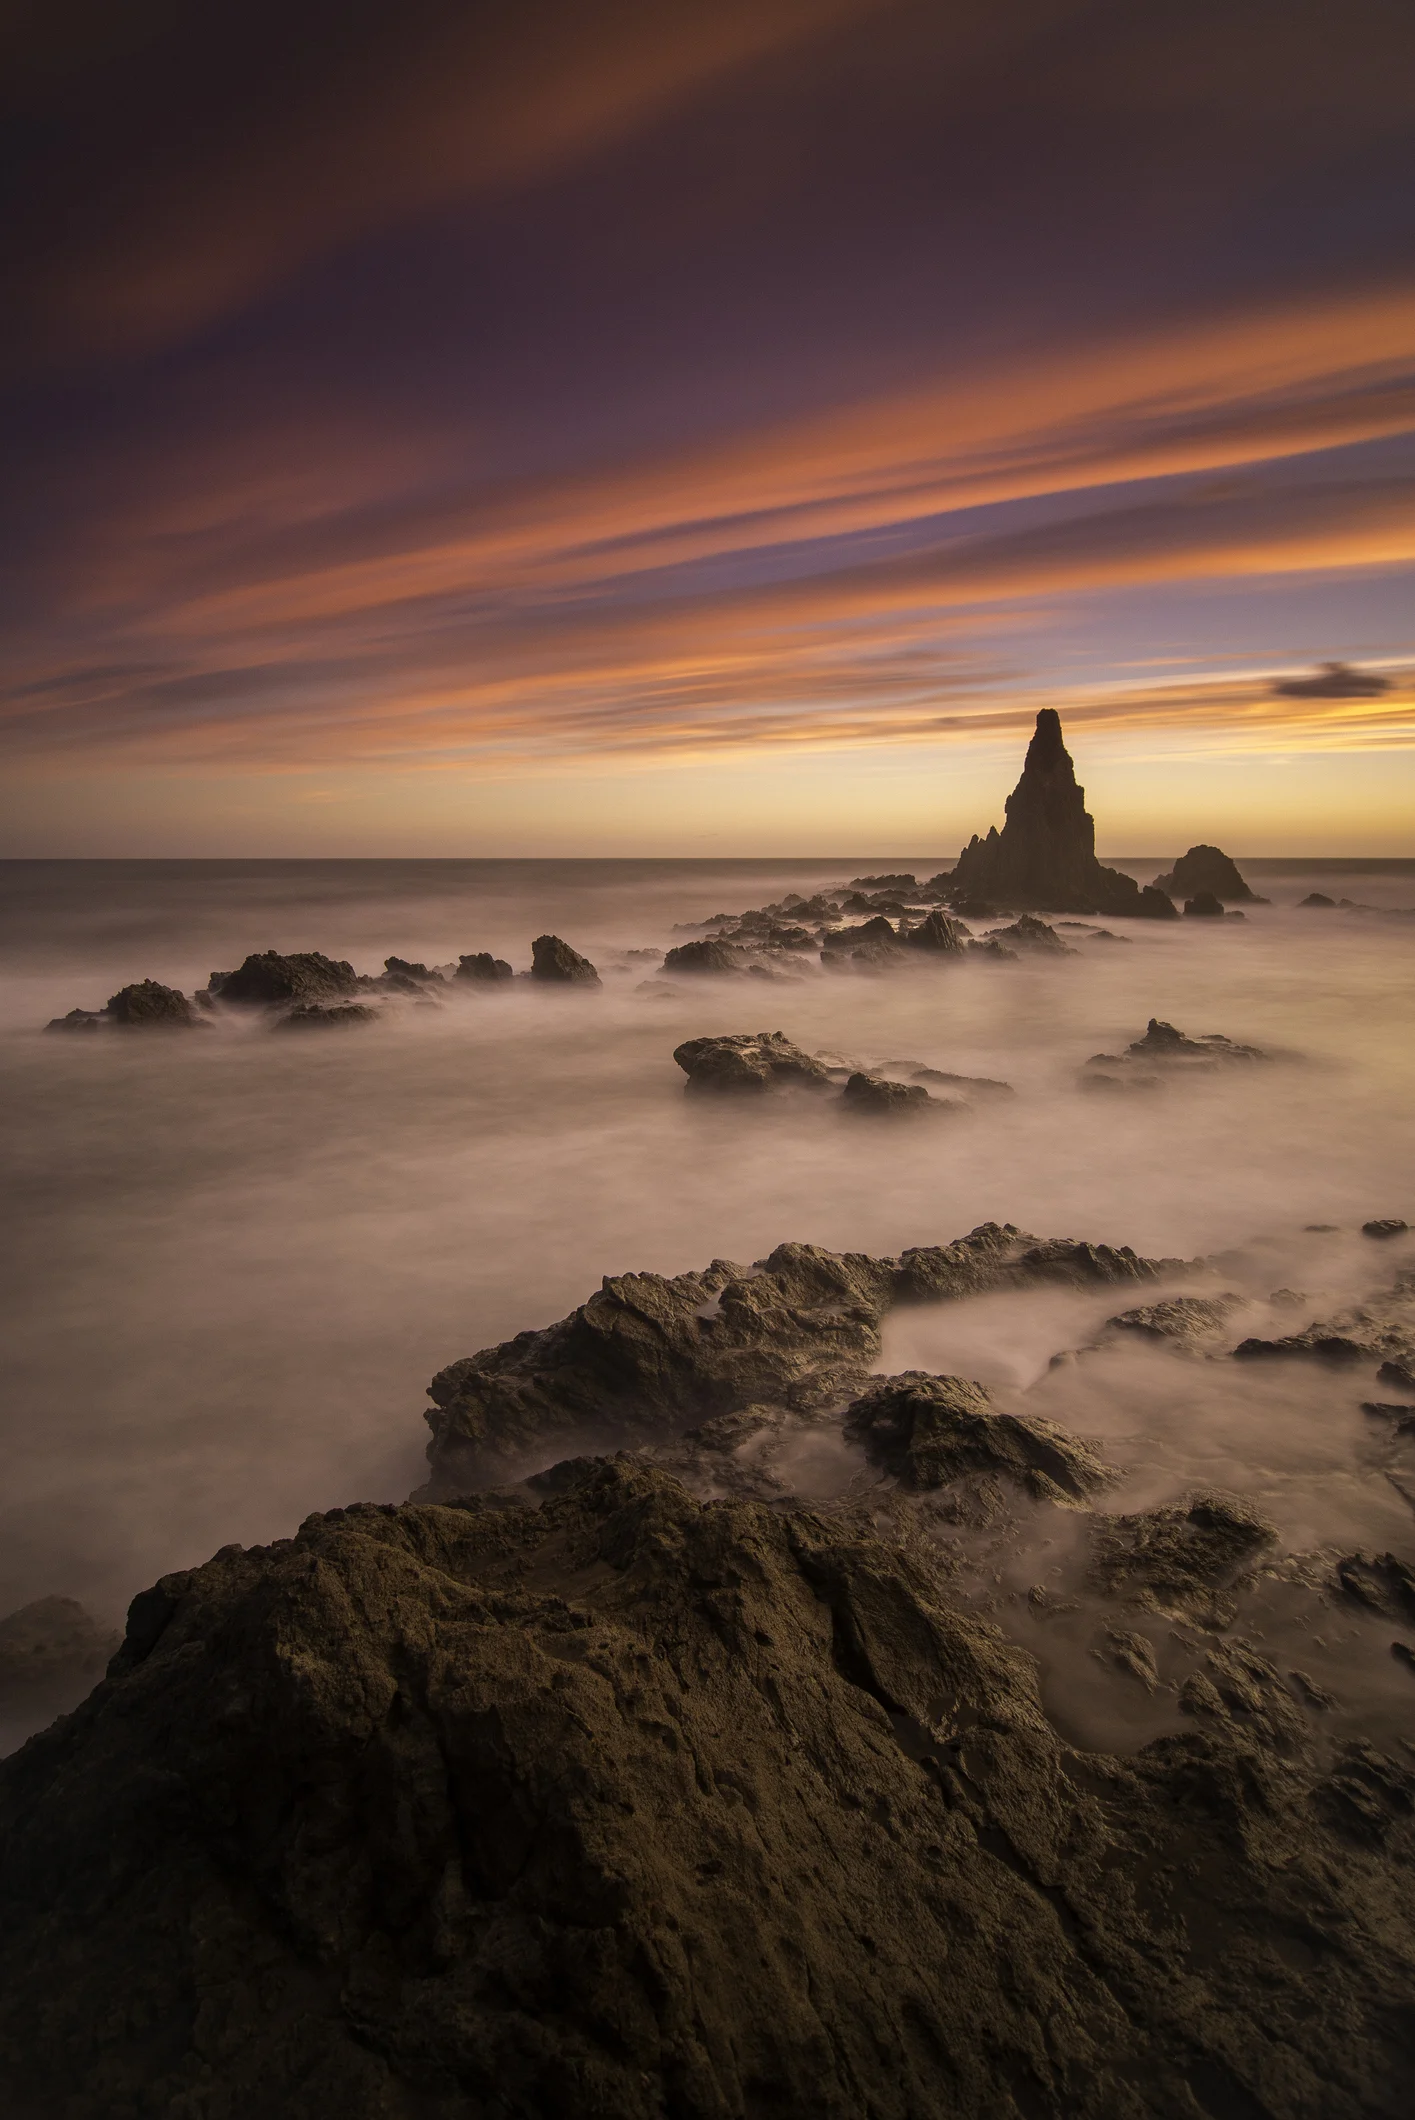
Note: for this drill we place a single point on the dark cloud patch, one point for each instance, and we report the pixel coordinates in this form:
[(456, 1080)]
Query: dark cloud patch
[(1335, 680)]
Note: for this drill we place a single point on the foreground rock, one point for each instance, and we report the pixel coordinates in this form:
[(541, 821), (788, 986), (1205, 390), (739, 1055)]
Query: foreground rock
[(554, 962), (1185, 1562), (649, 1357), (1045, 855), (931, 1431), (630, 1806), (750, 1062), (1207, 869)]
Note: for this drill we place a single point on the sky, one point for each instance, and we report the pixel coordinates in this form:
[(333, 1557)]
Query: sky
[(705, 426)]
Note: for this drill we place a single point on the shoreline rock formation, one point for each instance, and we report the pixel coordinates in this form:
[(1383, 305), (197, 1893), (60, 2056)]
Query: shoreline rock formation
[(1044, 858), (629, 1804), (555, 963)]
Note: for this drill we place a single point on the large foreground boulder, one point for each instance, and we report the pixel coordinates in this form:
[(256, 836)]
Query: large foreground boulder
[(630, 1806), (1045, 855)]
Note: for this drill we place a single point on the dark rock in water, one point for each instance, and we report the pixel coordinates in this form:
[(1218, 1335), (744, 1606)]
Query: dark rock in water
[(1162, 1044), (938, 935), (482, 969), (929, 1431), (554, 961), (1183, 1320), (874, 1097), (648, 1357), (1203, 907), (628, 1806), (876, 930), (1400, 1374), (1383, 1584), (311, 1017), (51, 1653), (749, 1061), (1029, 933), (966, 1085), (901, 882), (78, 1019), (1392, 1226), (711, 955), (994, 949), (1182, 1561), (1318, 1344), (1045, 854), (1319, 900), (416, 972), (149, 1006), (270, 980), (1207, 870)]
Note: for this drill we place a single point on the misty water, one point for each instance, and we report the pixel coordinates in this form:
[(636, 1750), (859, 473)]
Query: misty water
[(236, 1259)]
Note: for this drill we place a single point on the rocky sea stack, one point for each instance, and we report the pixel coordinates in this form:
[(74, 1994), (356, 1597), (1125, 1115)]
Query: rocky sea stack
[(1044, 858)]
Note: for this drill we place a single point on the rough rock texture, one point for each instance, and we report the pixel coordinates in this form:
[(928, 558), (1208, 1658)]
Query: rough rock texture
[(874, 1097), (50, 1651), (630, 1807), (1182, 1561), (270, 980), (1206, 869), (877, 929), (939, 935), (1204, 906), (750, 1062), (1045, 854), (1387, 1226), (149, 1006), (709, 955), (482, 969), (419, 973), (348, 1016), (1385, 1584), (1381, 1329), (648, 1358), (1169, 1051), (555, 961), (1183, 1321), (1029, 933), (929, 1431)]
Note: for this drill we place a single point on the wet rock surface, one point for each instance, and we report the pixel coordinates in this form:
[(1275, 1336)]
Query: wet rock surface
[(631, 1805), (480, 968), (1166, 1054), (709, 955)]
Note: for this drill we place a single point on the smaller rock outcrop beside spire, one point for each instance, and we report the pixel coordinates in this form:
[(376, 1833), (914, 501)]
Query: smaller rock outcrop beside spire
[(1207, 869), (1044, 857)]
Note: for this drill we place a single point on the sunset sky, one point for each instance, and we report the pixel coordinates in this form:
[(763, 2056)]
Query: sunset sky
[(706, 426)]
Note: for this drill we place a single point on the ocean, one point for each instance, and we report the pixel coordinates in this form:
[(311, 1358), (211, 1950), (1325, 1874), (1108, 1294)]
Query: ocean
[(236, 1259)]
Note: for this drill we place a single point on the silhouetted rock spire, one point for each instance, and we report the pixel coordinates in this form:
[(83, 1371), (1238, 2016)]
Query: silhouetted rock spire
[(1045, 854)]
